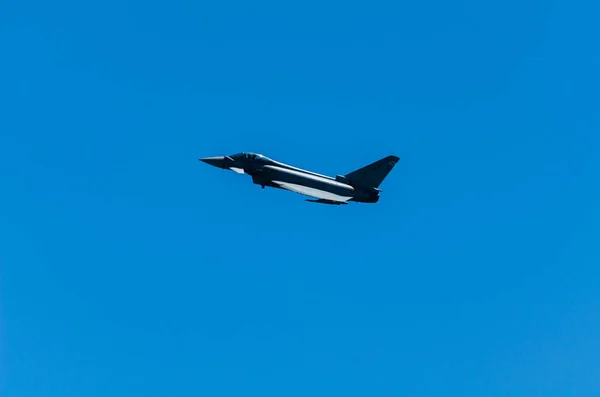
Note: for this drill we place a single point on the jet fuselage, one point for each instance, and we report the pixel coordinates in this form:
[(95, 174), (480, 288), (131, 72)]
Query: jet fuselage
[(267, 172)]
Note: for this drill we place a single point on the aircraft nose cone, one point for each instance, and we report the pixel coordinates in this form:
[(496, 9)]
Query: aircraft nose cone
[(216, 161)]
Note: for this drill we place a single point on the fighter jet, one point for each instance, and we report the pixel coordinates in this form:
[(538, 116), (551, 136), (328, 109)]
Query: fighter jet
[(360, 186)]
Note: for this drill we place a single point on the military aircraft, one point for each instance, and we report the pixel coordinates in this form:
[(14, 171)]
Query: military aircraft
[(360, 186)]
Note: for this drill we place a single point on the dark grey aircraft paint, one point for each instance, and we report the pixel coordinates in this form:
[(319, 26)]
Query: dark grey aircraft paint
[(361, 185)]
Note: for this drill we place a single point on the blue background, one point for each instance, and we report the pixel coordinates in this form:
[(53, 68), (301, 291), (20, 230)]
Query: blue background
[(128, 268)]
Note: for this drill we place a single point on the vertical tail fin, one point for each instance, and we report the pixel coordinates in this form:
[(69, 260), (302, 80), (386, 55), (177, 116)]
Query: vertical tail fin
[(373, 174)]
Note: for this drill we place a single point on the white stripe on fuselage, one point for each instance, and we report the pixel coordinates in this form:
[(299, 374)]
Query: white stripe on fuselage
[(312, 192)]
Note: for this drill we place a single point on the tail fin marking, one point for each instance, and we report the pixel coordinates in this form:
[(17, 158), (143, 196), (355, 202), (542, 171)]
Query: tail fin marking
[(373, 174)]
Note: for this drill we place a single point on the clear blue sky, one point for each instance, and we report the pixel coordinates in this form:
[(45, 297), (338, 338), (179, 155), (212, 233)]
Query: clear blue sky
[(128, 268)]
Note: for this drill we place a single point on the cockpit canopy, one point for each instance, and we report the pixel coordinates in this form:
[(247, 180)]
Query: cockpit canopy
[(249, 156)]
